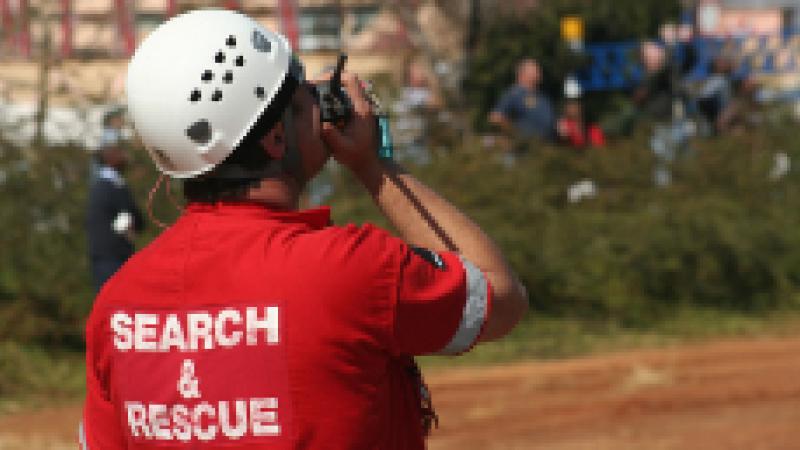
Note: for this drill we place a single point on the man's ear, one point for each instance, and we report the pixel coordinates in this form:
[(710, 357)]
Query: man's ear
[(274, 143)]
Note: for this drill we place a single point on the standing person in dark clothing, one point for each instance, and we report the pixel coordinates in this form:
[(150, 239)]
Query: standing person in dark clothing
[(112, 217), (523, 109)]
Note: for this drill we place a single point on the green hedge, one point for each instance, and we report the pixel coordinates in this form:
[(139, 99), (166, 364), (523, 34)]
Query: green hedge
[(722, 235), (45, 283)]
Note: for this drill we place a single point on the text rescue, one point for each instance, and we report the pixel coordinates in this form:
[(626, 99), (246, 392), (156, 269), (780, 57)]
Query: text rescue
[(199, 331)]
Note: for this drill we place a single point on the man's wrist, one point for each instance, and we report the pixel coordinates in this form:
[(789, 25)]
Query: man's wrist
[(372, 175)]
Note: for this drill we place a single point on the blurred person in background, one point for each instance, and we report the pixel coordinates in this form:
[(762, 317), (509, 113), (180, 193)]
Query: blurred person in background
[(523, 110), (743, 112), (112, 217), (651, 99), (715, 94), (417, 91), (573, 129), (653, 96), (412, 115)]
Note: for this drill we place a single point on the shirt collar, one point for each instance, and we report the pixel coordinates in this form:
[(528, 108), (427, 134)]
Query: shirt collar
[(110, 174), (316, 218)]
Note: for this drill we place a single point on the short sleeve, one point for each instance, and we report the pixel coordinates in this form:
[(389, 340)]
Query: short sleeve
[(443, 301)]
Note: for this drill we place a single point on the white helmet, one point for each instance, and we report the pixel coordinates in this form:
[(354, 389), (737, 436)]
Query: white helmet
[(201, 82)]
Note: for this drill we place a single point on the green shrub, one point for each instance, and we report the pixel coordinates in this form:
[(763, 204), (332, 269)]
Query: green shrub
[(45, 282), (722, 235)]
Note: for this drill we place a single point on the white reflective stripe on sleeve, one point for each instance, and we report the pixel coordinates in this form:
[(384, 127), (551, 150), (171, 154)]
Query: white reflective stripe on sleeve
[(82, 437), (475, 310)]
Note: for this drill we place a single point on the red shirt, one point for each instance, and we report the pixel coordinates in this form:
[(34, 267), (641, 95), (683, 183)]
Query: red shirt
[(578, 136), (246, 328)]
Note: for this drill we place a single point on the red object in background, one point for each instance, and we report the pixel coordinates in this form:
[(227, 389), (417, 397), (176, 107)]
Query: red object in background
[(6, 22), (288, 12), (596, 136), (578, 136), (66, 28), (125, 27), (172, 7), (24, 39), (233, 5)]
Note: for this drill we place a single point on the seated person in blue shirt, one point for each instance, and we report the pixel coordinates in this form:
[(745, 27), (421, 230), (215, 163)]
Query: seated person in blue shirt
[(523, 110)]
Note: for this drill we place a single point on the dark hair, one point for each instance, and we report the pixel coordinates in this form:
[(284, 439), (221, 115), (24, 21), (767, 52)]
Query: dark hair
[(233, 177), (248, 164)]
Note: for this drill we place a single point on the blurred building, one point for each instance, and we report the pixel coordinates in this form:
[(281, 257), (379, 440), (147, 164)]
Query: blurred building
[(90, 41), (732, 18), (760, 37)]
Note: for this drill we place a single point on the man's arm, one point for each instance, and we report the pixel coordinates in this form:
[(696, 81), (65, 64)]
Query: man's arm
[(497, 118), (500, 114), (424, 218)]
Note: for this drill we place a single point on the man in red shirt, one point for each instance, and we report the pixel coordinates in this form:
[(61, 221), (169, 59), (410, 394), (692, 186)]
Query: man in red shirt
[(251, 325)]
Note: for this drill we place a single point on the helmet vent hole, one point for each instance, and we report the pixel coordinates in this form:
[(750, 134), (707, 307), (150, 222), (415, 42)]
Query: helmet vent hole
[(260, 42), (260, 92), (199, 132), (219, 57), (231, 41), (216, 96), (239, 61), (228, 77), (195, 95), (207, 75)]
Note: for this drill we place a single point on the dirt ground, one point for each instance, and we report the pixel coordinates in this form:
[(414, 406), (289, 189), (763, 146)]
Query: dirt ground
[(721, 395)]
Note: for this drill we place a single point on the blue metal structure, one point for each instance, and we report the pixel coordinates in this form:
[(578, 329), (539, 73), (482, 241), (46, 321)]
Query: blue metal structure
[(617, 65)]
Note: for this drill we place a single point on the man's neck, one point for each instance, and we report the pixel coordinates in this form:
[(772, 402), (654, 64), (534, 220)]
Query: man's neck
[(279, 193)]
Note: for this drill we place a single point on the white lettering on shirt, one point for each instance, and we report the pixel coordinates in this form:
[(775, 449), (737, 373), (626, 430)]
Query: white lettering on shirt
[(144, 332), (232, 316), (159, 422), (210, 432), (172, 335), (204, 422), (200, 327), (239, 428), (269, 323), (137, 419), (182, 420), (264, 422), (196, 330), (121, 326)]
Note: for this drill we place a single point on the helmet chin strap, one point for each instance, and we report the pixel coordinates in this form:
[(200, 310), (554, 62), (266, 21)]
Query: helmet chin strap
[(151, 195)]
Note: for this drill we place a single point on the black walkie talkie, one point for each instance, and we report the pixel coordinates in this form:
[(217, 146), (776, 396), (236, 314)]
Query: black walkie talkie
[(335, 105), (336, 108)]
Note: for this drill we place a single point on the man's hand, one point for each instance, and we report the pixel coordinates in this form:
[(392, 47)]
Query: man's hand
[(123, 225), (497, 118), (355, 145)]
